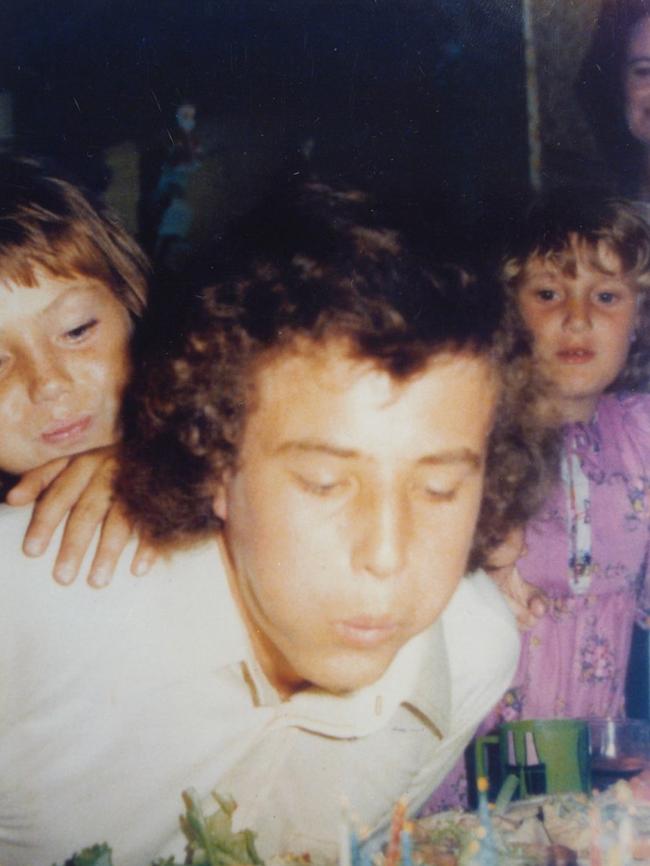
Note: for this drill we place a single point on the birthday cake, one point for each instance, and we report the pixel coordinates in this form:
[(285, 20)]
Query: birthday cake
[(611, 828)]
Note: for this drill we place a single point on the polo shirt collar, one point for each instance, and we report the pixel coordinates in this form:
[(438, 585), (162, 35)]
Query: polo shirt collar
[(418, 676)]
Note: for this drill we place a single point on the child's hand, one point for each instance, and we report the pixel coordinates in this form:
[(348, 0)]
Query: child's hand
[(527, 602), (80, 487)]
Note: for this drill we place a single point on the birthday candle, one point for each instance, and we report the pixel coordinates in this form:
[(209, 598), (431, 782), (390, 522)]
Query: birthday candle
[(399, 813), (407, 845), (505, 794), (595, 854), (364, 848), (487, 854), (482, 786), (355, 848)]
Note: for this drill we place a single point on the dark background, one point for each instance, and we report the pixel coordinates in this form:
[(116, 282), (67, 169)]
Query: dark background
[(425, 100)]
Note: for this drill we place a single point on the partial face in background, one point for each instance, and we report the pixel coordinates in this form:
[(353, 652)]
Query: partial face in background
[(350, 517), (636, 82), (582, 325), (186, 116), (63, 366)]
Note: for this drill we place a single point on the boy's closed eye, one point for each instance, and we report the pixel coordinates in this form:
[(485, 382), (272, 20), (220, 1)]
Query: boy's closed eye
[(320, 486), (437, 489), (77, 333), (441, 492), (442, 483)]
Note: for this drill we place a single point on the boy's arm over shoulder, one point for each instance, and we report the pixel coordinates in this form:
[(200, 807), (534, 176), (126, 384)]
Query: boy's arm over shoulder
[(78, 491)]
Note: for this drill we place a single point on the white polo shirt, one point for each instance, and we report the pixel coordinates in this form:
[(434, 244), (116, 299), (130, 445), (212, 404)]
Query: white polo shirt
[(112, 702)]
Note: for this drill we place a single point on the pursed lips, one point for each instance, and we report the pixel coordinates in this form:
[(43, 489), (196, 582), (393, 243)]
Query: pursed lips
[(366, 631)]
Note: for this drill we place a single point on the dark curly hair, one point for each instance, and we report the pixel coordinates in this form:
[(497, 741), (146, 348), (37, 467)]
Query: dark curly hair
[(548, 231), (319, 264), (600, 89)]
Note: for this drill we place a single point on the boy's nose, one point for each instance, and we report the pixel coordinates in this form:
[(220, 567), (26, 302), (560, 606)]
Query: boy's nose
[(380, 536), (48, 378)]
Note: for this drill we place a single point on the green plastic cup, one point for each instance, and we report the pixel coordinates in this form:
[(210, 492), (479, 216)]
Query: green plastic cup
[(547, 756)]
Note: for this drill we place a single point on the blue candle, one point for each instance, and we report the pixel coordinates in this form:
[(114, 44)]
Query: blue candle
[(488, 855), (355, 849), (406, 847), (366, 859)]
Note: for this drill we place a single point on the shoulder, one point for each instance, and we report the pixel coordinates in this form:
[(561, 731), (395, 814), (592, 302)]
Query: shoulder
[(478, 602), (184, 587), (13, 525), (15, 565), (480, 631), (626, 406), (132, 642), (624, 426)]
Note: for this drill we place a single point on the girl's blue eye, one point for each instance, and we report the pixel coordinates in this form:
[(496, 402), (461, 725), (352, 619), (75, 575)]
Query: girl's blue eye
[(546, 294)]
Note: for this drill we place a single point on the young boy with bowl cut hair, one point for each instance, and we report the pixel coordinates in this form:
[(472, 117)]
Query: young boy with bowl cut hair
[(312, 453), (72, 284)]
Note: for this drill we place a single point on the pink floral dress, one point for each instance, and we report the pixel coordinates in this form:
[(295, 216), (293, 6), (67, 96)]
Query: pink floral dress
[(588, 550)]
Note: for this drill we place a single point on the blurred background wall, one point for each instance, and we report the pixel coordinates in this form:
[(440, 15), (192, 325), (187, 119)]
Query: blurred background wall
[(425, 100)]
